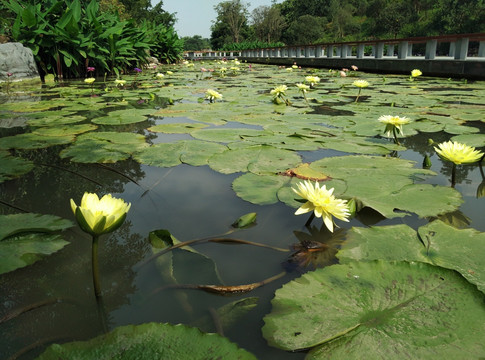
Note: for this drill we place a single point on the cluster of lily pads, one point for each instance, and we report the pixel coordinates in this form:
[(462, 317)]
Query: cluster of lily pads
[(398, 290)]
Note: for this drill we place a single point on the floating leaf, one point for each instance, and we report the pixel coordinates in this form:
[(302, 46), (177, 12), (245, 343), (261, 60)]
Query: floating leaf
[(25, 238), (177, 128), (122, 117), (438, 244), (104, 147), (258, 159), (150, 341), (12, 166), (386, 185), (369, 309), (259, 189)]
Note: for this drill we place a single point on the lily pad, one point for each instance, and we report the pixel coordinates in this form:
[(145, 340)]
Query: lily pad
[(122, 117), (26, 238), (258, 159), (192, 152), (12, 166), (387, 185), (104, 147), (378, 309), (150, 341), (438, 243)]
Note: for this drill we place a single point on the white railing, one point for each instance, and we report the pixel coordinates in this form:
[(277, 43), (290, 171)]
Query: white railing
[(429, 48)]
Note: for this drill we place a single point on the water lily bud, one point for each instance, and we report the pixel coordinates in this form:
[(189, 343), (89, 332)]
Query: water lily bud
[(481, 190), (426, 162)]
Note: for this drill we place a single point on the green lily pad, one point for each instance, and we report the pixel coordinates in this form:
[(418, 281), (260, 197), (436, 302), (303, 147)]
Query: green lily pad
[(150, 341), (104, 147), (192, 152), (387, 185), (378, 309), (122, 117), (177, 128), (26, 238), (258, 159), (31, 141), (259, 189), (475, 140), (12, 166), (438, 243)]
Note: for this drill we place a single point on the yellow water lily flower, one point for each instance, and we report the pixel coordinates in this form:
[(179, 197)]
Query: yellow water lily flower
[(120, 82), (100, 216), (416, 73), (458, 153), (361, 83), (279, 91), (212, 95), (89, 80), (303, 87), (169, 72), (322, 202), (393, 123), (160, 76), (312, 79)]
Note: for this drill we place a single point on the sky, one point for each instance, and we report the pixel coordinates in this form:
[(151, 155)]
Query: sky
[(194, 17)]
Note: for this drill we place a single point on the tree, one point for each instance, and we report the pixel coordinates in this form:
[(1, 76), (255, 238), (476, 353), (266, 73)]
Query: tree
[(234, 15), (195, 43), (305, 30), (268, 23)]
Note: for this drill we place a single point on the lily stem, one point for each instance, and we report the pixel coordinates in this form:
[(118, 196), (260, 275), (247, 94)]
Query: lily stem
[(453, 175), (95, 265), (395, 136), (310, 219)]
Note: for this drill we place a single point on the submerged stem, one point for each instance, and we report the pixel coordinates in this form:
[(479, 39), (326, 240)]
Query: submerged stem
[(453, 175), (95, 266)]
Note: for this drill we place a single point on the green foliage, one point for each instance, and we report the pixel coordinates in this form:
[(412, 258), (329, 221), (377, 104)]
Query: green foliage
[(150, 341), (164, 42), (68, 36), (250, 45), (195, 43)]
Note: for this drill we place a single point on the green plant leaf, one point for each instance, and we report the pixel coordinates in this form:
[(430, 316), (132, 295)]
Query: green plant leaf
[(150, 341), (26, 238), (378, 309), (12, 166), (438, 243), (259, 159)]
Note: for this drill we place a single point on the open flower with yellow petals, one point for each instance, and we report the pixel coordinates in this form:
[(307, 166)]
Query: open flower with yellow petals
[(312, 80), (119, 82), (394, 125), (212, 95), (100, 216), (322, 202), (458, 153), (279, 93), (361, 83), (89, 80), (416, 72)]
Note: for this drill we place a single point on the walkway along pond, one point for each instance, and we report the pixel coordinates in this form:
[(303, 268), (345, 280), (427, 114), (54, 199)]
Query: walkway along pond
[(460, 55)]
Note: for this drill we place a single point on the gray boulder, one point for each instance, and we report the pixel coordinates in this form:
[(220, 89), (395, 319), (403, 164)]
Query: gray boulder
[(17, 60)]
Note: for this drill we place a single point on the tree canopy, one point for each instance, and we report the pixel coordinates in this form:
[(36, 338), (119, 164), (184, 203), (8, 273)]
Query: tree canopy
[(312, 21)]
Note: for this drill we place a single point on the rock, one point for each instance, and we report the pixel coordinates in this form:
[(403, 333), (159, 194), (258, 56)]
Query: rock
[(17, 60)]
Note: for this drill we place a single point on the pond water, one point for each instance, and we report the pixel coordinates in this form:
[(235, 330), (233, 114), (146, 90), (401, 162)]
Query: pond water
[(52, 300)]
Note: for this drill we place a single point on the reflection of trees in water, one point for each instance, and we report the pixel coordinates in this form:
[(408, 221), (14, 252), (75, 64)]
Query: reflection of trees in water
[(60, 286), (54, 181), (63, 282)]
